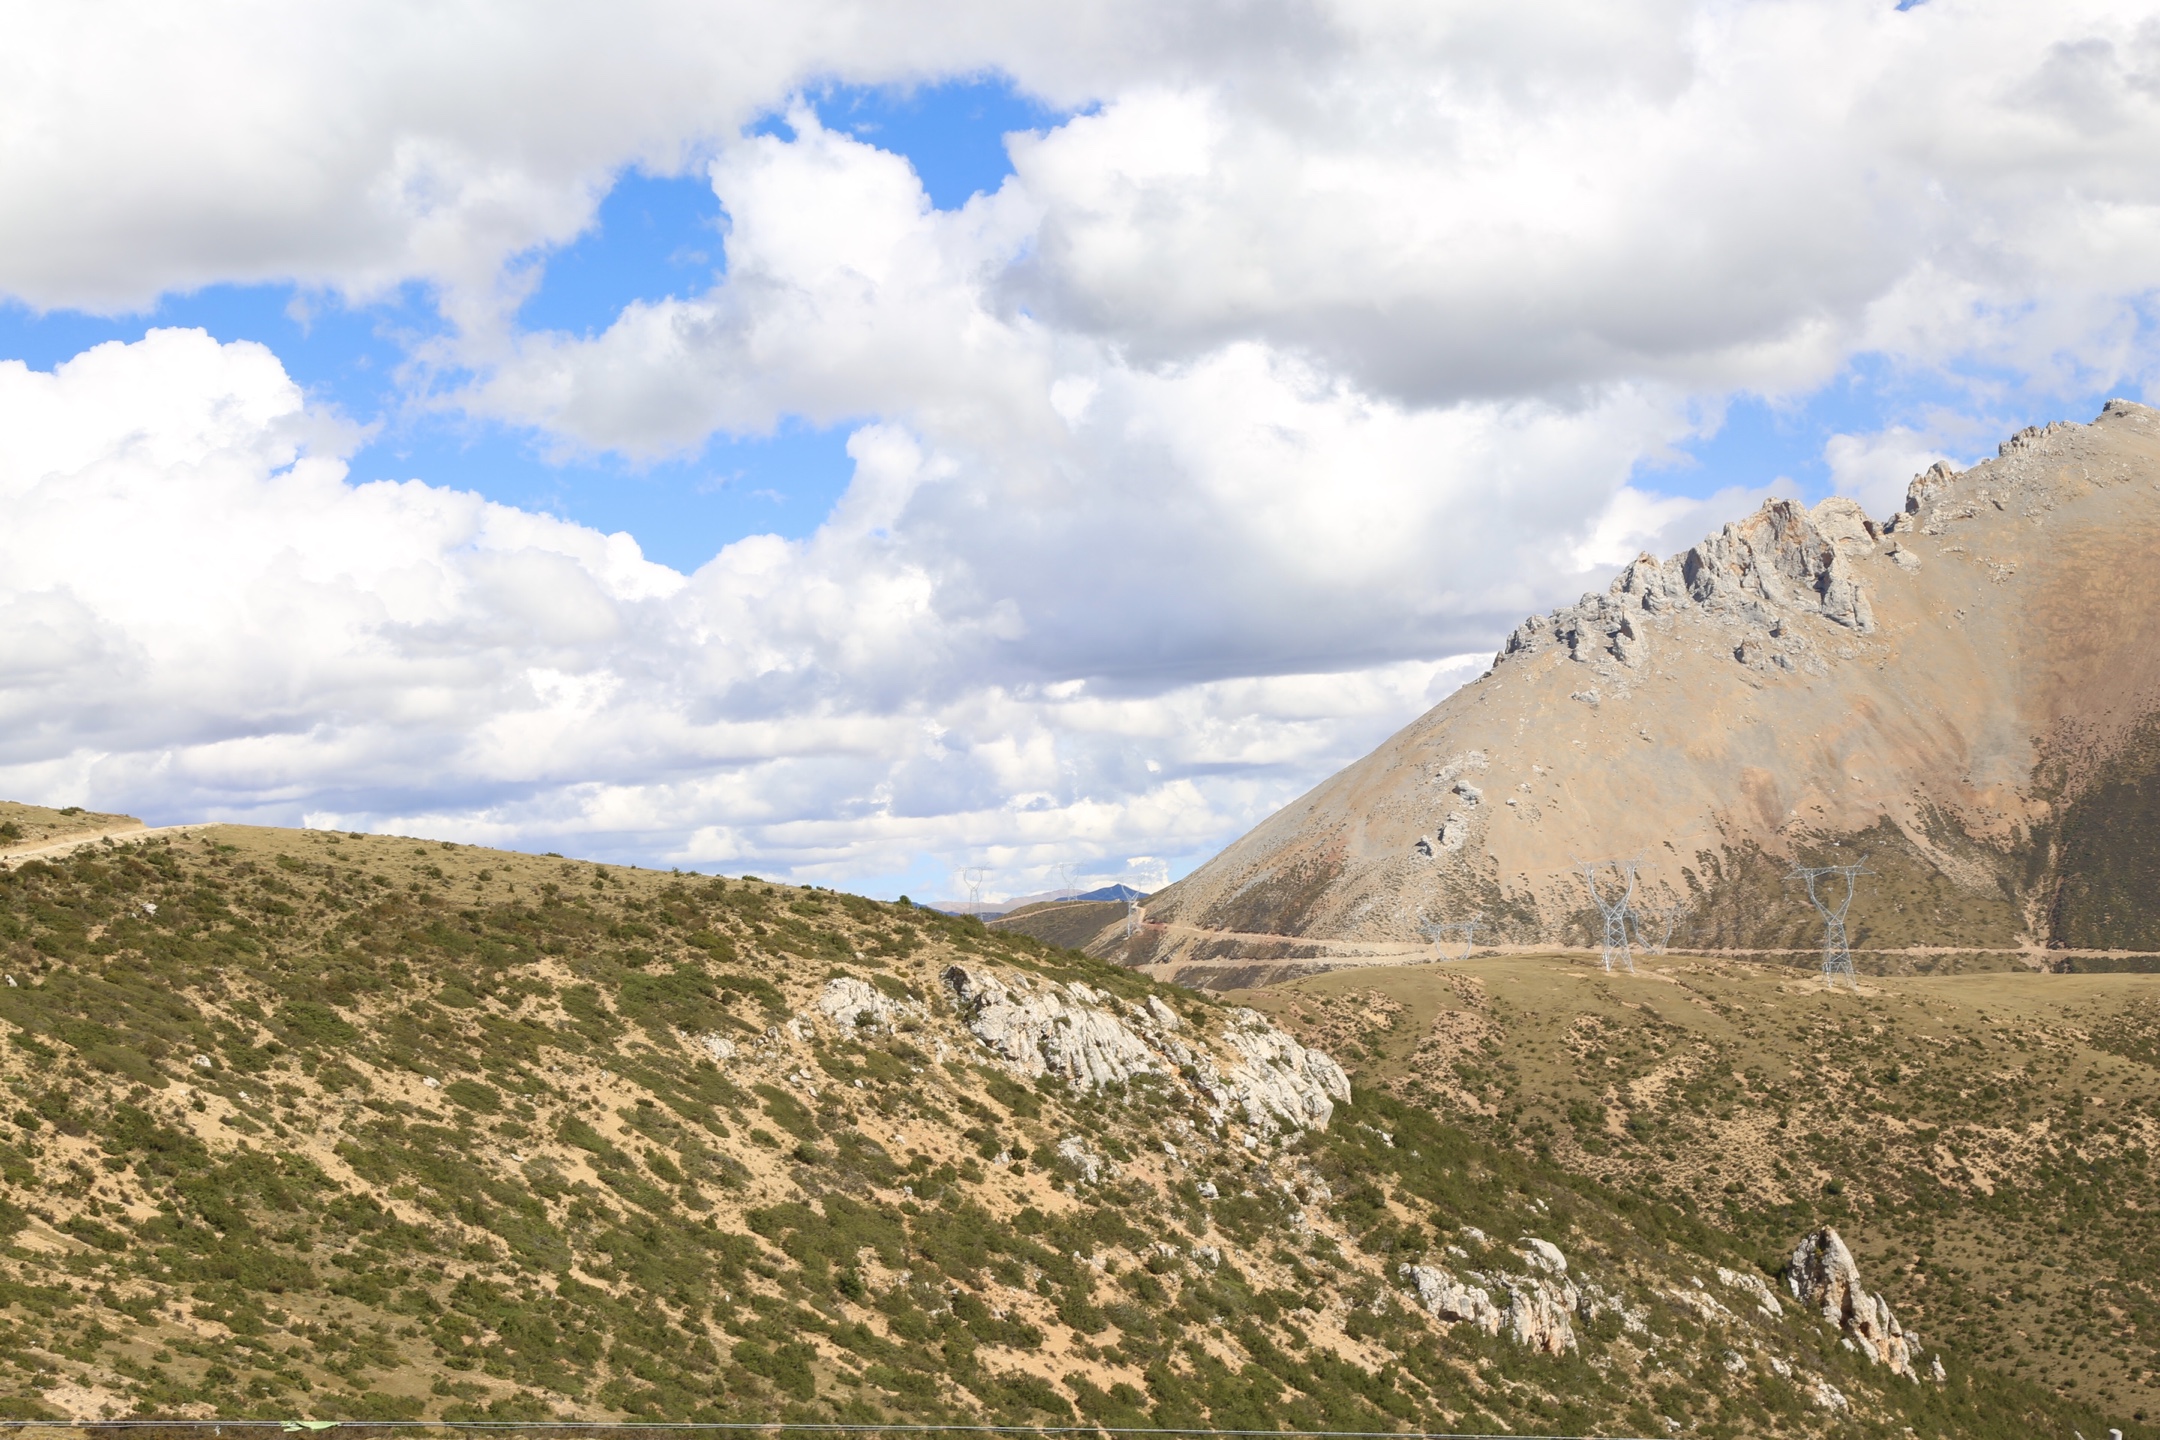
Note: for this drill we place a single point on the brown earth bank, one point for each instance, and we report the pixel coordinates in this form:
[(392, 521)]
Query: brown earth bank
[(1966, 695), (26, 829)]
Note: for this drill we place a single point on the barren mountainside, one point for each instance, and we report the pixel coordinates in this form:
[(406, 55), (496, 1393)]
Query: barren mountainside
[(1967, 693)]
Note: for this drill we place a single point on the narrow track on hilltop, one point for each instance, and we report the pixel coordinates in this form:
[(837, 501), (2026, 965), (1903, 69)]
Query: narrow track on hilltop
[(56, 849)]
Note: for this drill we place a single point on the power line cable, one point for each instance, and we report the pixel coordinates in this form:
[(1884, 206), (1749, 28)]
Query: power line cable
[(770, 1427)]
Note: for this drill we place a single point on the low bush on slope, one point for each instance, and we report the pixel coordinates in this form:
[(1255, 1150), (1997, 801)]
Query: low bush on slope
[(1984, 1140)]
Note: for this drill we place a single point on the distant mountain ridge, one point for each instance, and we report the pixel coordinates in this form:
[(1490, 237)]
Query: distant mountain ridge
[(989, 908), (1968, 694), (1114, 892)]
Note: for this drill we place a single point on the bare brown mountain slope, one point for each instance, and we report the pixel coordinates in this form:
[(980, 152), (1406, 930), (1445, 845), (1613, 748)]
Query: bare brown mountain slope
[(1969, 694)]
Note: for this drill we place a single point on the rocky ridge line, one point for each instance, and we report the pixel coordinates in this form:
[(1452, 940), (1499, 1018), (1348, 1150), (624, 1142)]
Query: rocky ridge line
[(1786, 561), (1752, 578)]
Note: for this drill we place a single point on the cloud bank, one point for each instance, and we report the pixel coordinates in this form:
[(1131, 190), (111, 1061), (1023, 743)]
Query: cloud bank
[(1318, 345), (201, 608)]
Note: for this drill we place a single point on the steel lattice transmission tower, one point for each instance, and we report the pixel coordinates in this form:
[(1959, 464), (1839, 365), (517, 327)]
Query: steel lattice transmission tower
[(1066, 871), (1132, 917), (1836, 953), (1616, 906), (1661, 916), (1441, 932), (973, 878)]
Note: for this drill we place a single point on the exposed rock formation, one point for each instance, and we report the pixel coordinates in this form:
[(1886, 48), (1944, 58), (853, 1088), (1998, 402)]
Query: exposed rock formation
[(1755, 1288), (1272, 1076), (1446, 1298), (1539, 1305), (1075, 1151), (1965, 690), (1051, 1029), (1780, 560), (1824, 1277), (1538, 1313), (850, 1002), (1092, 1039), (1596, 1300)]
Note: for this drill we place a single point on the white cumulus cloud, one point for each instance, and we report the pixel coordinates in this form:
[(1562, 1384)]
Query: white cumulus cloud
[(200, 615), (1320, 341)]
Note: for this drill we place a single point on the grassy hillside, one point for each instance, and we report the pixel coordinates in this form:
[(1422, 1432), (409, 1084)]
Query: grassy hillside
[(1983, 1140), (356, 1126), (1070, 924), (26, 827)]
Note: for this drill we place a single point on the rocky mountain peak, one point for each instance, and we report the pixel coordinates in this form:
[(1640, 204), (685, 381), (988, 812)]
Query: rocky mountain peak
[(1783, 559), (1956, 691)]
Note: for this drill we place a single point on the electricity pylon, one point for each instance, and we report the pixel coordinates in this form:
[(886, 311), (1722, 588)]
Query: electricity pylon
[(1616, 909), (1132, 917), (1441, 932), (1662, 915), (1836, 953), (973, 878), (1066, 871)]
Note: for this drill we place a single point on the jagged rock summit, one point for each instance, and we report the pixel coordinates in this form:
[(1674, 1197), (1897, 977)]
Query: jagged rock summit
[(1824, 1277), (1967, 692)]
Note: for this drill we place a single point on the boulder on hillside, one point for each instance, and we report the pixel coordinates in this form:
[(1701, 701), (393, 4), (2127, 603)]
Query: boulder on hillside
[(1447, 1298), (1823, 1276)]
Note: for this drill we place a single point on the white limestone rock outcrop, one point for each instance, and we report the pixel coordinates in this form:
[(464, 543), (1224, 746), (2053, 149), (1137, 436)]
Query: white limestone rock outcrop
[(1043, 1028), (1075, 1151), (1540, 1311), (856, 1004), (1540, 1306), (1828, 1396), (1755, 1288), (1596, 1301), (1255, 1072), (1703, 1305), (1824, 1277), (1273, 1078), (1447, 1298)]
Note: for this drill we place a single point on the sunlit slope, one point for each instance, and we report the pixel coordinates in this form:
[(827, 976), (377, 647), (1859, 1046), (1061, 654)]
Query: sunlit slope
[(26, 829), (1068, 923), (1984, 1141), (343, 1126)]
